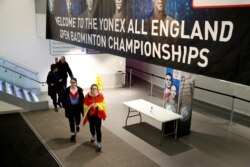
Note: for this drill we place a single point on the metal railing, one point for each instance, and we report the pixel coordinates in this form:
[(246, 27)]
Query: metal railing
[(21, 75), (18, 75), (7, 63), (130, 70)]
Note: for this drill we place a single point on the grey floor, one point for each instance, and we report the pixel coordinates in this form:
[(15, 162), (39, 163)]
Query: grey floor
[(211, 142)]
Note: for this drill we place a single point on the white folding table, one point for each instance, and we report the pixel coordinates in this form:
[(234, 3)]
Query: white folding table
[(154, 111)]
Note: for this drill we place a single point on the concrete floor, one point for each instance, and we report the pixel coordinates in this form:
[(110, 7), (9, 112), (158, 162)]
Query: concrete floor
[(211, 141)]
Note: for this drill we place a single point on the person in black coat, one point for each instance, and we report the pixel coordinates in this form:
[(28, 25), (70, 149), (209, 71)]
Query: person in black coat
[(73, 98), (64, 70), (55, 87)]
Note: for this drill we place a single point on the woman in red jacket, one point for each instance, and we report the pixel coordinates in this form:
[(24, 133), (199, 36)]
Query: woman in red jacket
[(95, 111)]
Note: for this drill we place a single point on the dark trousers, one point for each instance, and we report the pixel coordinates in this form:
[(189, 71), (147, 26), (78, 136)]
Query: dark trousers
[(64, 83), (95, 127), (56, 100), (74, 120)]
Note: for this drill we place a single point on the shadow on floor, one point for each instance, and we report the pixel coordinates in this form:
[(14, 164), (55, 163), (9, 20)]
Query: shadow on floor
[(83, 155), (152, 135), (59, 143)]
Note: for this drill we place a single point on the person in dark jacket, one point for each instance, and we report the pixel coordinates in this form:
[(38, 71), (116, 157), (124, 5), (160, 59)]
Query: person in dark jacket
[(55, 86), (73, 98), (64, 70)]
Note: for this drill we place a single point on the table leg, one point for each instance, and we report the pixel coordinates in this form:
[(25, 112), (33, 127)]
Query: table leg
[(140, 117), (162, 133), (128, 116), (176, 128), (126, 122)]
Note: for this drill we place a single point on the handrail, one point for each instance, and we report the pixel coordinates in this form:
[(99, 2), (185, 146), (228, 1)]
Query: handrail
[(232, 96), (19, 66), (23, 75), (145, 72), (224, 94)]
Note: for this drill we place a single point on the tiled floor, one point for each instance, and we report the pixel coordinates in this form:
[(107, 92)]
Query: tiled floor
[(211, 142)]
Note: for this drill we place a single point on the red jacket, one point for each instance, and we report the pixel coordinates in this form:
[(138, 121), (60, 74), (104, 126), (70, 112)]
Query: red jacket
[(89, 110)]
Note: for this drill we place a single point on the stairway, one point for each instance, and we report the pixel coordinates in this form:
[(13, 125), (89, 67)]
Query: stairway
[(21, 97)]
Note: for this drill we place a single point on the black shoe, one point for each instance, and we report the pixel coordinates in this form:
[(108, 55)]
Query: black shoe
[(73, 138), (77, 129), (92, 140), (56, 109), (60, 105)]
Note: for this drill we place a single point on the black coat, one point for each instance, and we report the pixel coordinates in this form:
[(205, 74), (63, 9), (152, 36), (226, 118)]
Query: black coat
[(69, 108), (64, 70), (53, 78)]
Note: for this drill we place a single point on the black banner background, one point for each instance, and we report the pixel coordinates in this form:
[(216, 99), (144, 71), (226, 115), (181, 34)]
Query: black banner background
[(224, 56)]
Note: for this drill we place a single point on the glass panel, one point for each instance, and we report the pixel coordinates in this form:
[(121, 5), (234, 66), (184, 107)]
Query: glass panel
[(1, 85), (18, 75), (18, 69)]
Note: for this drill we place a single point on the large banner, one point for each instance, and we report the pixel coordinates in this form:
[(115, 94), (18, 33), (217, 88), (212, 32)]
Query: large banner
[(197, 36)]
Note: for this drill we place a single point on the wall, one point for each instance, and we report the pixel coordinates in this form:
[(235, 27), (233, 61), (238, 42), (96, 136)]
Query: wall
[(240, 91), (150, 68), (86, 67), (19, 42)]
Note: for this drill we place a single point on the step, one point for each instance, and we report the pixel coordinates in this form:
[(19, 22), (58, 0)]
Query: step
[(34, 97), (21, 97), (9, 88), (26, 95), (19, 92)]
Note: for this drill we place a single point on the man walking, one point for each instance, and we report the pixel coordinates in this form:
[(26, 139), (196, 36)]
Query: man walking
[(64, 70)]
